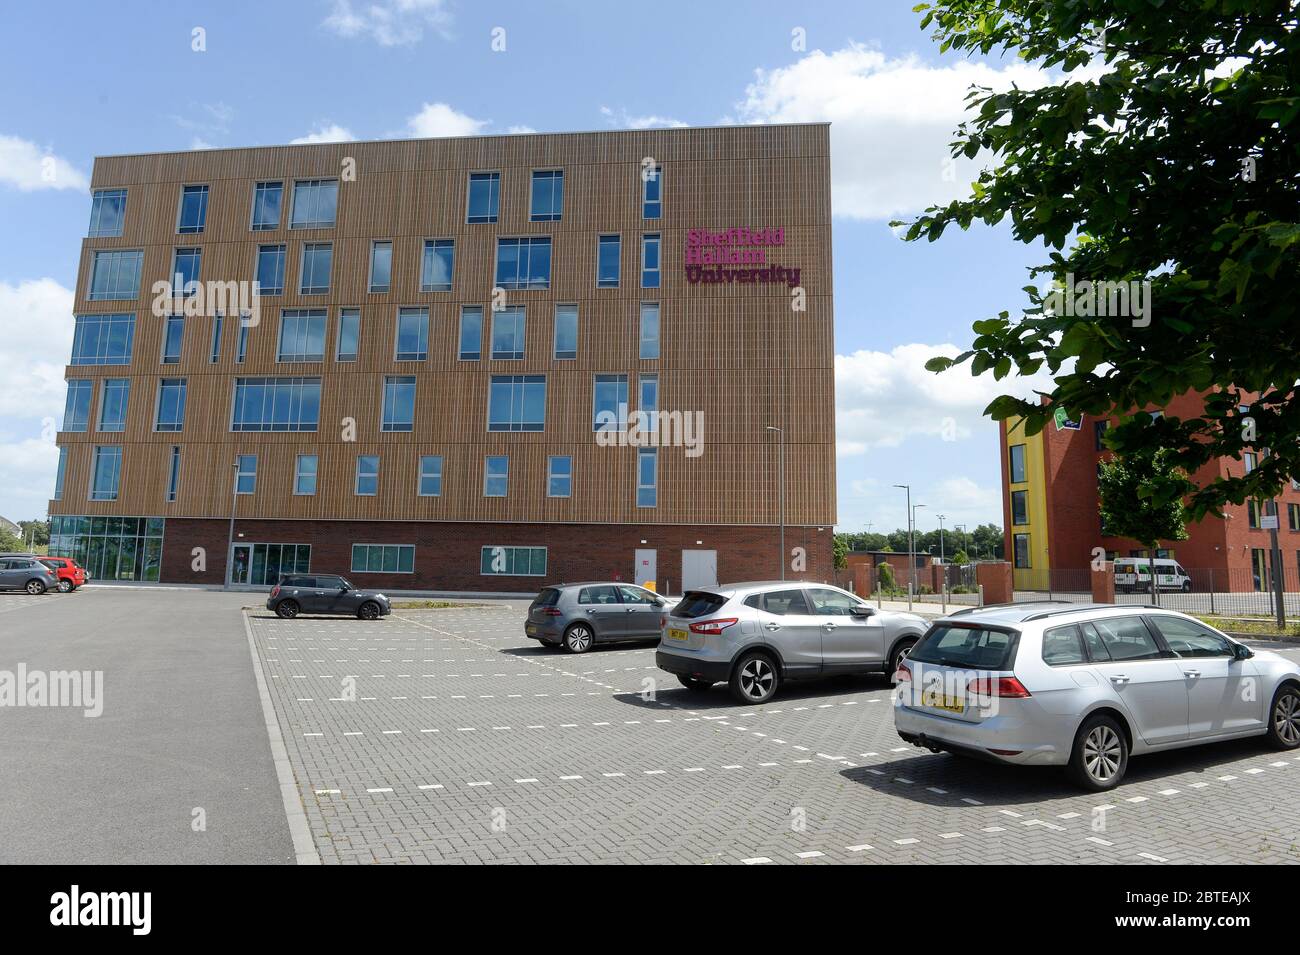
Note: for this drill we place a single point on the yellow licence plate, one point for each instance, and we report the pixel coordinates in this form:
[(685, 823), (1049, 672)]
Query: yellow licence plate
[(952, 704), (676, 634)]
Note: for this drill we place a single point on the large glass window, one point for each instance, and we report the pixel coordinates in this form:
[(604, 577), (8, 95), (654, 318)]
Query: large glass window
[(609, 402), (399, 403), (170, 413), (517, 403), (436, 267), (559, 476), (1016, 454), (513, 561), (508, 332), (412, 334), (110, 548), (547, 203), (263, 564), (608, 252), (430, 475), (650, 260), (173, 339), (186, 271), (107, 213), (115, 275), (471, 333), (383, 558), (652, 191), (302, 335), (649, 329), (524, 263), (76, 409), (349, 339), (270, 269), (276, 404), (496, 475), (174, 473), (317, 262), (103, 339), (315, 204), (193, 212), (1020, 543), (381, 266), (105, 473), (484, 197), (267, 197), (647, 477), (246, 474), (566, 331), (367, 484), (113, 399), (304, 474), (1019, 507)]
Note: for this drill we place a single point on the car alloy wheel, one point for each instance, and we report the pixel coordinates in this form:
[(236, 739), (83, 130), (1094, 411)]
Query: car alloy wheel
[(35, 588), (369, 611), (578, 639), (65, 586), (1286, 718), (1103, 753), (757, 679), (287, 609)]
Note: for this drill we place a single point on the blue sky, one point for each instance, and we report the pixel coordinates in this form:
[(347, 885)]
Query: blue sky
[(127, 79)]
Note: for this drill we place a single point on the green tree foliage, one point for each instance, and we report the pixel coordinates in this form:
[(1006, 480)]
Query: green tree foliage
[(885, 574), (840, 549), (37, 531), (1142, 497), (1179, 164)]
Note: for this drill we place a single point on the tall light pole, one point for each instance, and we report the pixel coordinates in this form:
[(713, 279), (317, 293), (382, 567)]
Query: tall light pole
[(781, 491), (911, 544), (230, 536), (941, 554)]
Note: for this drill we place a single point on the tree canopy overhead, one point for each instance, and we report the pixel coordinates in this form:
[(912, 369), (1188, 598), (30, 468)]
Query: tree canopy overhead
[(1167, 154)]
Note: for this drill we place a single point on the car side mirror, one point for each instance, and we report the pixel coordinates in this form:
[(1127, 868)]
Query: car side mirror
[(1241, 652), (860, 611)]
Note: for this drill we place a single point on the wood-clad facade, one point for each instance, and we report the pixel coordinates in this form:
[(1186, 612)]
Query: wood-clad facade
[(741, 353)]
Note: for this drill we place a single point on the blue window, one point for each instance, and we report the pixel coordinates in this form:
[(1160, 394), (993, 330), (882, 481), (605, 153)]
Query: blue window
[(496, 475), (609, 402), (430, 475), (270, 269), (185, 271), (647, 477), (650, 260), (349, 340), (60, 474), (317, 260), (173, 338), (609, 249), (559, 476), (115, 275), (649, 329), (76, 410), (267, 197), (113, 398), (524, 263), (436, 269), (508, 333), (652, 186), (107, 213), (193, 212), (566, 331), (315, 204), (246, 474), (412, 334), (484, 197), (215, 354), (381, 266), (304, 475), (548, 196), (383, 558), (174, 474), (513, 561), (471, 333), (276, 404), (302, 335), (367, 475), (241, 342), (399, 403), (648, 405), (106, 473), (103, 339), (170, 413), (517, 403)]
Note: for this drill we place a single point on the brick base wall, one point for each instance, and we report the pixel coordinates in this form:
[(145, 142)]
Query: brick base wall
[(447, 554)]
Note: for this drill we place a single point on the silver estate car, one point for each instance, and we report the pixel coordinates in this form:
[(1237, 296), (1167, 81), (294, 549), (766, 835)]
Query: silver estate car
[(578, 616), (1087, 685), (755, 636)]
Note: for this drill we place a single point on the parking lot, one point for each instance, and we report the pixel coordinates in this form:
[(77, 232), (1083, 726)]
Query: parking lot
[(446, 736)]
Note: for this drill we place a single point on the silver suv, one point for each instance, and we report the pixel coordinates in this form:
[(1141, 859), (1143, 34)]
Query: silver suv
[(755, 636), (1086, 685)]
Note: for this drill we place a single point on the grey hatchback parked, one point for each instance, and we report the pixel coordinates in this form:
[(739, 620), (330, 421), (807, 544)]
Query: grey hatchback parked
[(324, 593), (26, 573), (582, 615)]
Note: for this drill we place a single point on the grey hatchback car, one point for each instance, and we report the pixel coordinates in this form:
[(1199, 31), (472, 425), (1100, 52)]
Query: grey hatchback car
[(755, 636), (578, 616), (325, 593), (22, 572)]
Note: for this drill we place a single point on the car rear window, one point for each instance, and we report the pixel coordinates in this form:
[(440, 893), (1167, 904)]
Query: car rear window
[(971, 648), (698, 603), (598, 595), (1061, 647), (547, 598), (779, 602)]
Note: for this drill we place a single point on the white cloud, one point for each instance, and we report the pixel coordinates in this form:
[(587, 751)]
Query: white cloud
[(520, 130), (27, 469), (326, 133), (389, 22), (24, 165), (439, 119), (199, 143), (892, 120), (625, 120), (34, 348)]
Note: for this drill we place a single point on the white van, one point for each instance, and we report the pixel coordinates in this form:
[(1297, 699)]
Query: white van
[(1133, 574)]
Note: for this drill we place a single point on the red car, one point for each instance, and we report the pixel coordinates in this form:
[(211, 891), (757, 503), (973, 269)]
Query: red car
[(67, 571)]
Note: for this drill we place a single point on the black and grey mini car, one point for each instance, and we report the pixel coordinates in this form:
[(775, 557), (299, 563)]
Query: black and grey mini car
[(325, 593), (578, 616)]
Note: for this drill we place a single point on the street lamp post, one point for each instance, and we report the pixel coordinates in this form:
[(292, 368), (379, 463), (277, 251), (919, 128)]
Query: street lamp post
[(911, 545), (941, 553), (230, 535), (781, 491)]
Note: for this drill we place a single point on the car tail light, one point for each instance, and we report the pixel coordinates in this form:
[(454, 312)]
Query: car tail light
[(1006, 687), (663, 620), (904, 672), (275, 591), (552, 611), (713, 626)]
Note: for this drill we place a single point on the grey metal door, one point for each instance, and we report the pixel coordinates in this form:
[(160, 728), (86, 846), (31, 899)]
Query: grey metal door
[(699, 570), (645, 573)]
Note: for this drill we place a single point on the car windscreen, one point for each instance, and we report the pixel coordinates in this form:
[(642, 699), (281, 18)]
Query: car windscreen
[(971, 648), (698, 603)]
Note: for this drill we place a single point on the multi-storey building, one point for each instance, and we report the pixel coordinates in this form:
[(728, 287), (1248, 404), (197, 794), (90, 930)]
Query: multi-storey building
[(469, 364)]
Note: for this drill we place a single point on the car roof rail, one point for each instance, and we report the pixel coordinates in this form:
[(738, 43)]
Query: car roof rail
[(1013, 603)]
